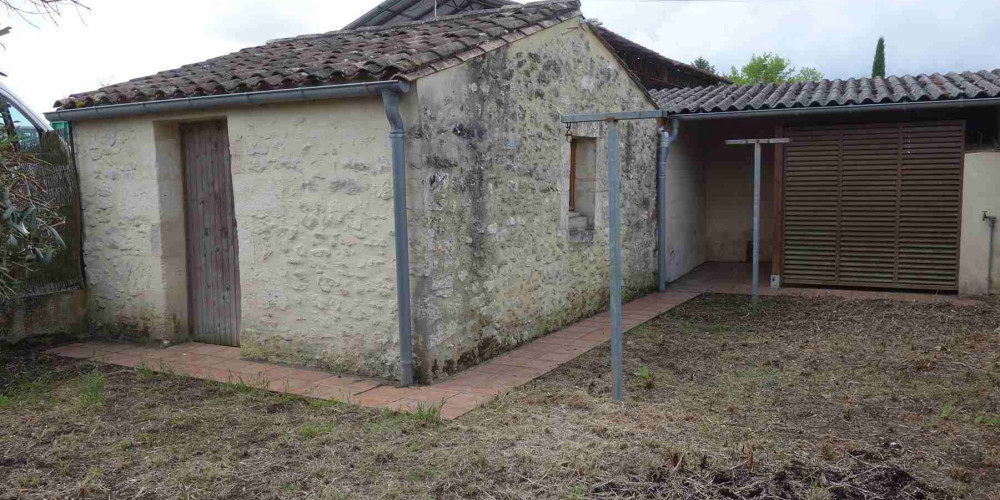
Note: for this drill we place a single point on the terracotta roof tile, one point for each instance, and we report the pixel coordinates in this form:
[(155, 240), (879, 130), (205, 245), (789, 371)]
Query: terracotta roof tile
[(401, 51), (853, 91)]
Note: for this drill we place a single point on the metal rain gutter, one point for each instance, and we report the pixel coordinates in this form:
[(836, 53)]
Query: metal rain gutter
[(661, 203), (229, 100)]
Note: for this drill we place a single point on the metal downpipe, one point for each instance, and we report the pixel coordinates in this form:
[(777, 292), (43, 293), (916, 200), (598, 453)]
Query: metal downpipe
[(991, 220), (397, 136), (661, 203)]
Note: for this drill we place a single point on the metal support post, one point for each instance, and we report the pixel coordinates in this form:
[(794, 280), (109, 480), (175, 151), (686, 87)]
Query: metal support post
[(755, 284), (615, 253)]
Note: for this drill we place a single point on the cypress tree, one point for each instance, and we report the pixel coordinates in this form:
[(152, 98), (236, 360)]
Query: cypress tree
[(878, 66)]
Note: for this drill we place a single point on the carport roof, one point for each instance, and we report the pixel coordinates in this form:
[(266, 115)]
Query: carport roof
[(830, 93)]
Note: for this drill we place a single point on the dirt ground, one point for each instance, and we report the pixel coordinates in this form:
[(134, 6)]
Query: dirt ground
[(799, 398)]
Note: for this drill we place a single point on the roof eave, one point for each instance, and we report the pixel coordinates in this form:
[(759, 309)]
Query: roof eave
[(190, 104), (847, 109)]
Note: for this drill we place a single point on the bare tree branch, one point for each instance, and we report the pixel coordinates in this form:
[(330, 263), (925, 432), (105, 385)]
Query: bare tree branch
[(32, 10)]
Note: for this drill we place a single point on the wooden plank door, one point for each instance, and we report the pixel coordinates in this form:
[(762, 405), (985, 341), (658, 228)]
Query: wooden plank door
[(212, 248)]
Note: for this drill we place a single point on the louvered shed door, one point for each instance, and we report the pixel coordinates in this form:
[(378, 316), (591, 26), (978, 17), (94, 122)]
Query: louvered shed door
[(213, 254), (874, 205)]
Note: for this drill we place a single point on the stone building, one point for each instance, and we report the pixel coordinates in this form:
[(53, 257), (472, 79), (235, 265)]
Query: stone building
[(249, 200), (409, 188)]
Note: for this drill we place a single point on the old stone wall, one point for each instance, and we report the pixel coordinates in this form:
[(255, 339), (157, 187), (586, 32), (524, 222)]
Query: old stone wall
[(313, 202), (61, 314), (313, 194), (120, 199), (492, 262)]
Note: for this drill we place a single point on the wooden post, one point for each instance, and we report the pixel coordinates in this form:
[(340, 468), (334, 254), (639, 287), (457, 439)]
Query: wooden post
[(755, 284)]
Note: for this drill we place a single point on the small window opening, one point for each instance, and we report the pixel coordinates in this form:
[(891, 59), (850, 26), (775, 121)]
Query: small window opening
[(582, 187)]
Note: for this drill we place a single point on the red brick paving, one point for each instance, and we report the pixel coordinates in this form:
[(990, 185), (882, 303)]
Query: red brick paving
[(465, 391), (457, 395)]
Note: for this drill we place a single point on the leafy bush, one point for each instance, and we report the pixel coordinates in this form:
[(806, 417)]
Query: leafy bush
[(28, 220)]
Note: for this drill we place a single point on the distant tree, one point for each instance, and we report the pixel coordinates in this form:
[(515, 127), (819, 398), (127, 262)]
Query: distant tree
[(771, 68), (808, 75), (702, 63), (878, 66)]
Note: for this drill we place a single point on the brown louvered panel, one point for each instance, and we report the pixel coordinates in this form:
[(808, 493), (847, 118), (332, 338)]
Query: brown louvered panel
[(811, 193), (930, 204), (873, 205), (868, 205)]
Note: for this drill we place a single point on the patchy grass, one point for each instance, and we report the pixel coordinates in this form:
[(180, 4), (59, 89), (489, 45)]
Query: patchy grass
[(798, 398), (309, 431), (92, 387)]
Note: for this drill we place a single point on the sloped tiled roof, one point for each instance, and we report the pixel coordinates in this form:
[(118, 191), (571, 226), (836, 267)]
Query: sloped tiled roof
[(403, 51), (391, 12), (654, 70), (860, 91)]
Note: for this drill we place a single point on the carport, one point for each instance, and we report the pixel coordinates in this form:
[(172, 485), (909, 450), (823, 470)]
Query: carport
[(874, 190), (867, 182)]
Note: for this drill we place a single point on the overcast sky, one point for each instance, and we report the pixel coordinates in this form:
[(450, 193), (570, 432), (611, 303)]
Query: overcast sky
[(116, 40)]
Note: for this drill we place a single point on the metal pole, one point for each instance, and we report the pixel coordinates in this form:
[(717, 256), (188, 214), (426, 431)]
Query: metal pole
[(615, 252), (755, 280), (661, 211), (755, 286), (991, 220), (397, 136)]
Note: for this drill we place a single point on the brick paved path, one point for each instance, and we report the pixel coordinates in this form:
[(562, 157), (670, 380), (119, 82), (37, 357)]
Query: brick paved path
[(457, 394), (470, 388)]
